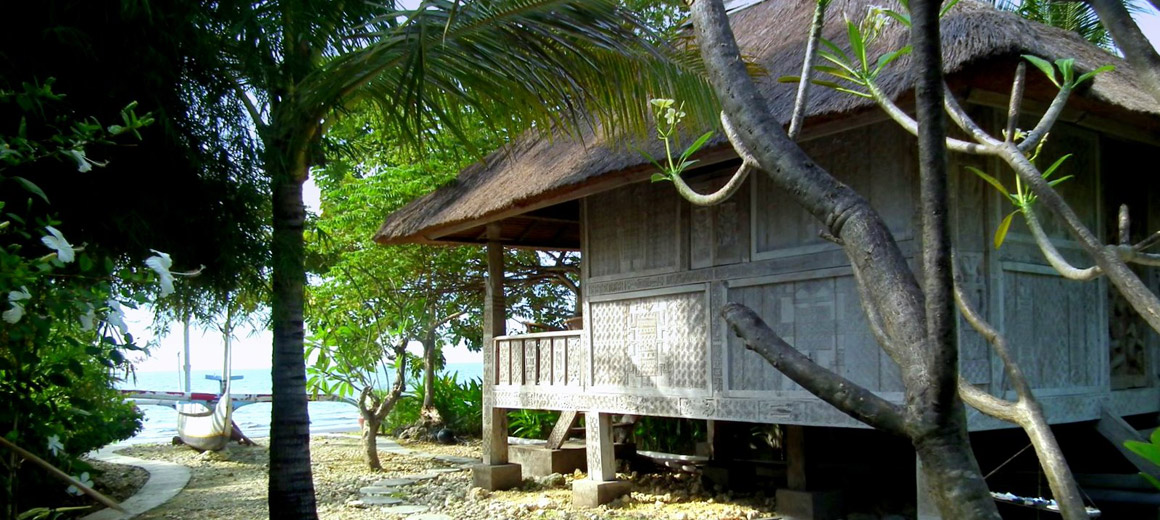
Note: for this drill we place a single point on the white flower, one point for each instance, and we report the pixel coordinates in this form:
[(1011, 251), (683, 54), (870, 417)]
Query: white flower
[(662, 103), (88, 318), (54, 445), (116, 316), (83, 165), (84, 479), (55, 240), (160, 264), (14, 314)]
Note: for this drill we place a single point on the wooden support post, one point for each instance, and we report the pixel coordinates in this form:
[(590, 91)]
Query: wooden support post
[(601, 457), (563, 426), (795, 449), (495, 445)]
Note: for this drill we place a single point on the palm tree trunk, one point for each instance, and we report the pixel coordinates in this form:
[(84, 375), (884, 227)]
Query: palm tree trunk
[(428, 373), (291, 489)]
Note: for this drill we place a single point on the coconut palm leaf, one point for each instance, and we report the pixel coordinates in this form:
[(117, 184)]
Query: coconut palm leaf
[(526, 63)]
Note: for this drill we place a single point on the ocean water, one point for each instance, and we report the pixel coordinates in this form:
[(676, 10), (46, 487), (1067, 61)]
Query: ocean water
[(160, 422)]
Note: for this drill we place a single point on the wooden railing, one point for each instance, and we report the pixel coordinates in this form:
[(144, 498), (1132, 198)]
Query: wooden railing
[(543, 359)]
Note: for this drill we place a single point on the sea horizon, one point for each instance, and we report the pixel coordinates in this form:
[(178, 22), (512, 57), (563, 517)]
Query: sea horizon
[(160, 423)]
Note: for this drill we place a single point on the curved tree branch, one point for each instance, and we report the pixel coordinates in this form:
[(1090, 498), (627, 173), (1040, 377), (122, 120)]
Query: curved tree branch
[(910, 125), (1131, 41), (1057, 261), (803, 93), (851, 399), (748, 164)]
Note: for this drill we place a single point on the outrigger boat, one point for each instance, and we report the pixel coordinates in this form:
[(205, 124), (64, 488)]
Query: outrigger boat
[(205, 420)]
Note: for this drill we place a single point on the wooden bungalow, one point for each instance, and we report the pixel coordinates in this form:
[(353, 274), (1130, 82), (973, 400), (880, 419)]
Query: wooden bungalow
[(656, 270)]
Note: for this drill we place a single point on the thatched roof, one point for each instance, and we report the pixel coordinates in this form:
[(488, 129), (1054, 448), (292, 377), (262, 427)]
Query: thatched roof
[(522, 185)]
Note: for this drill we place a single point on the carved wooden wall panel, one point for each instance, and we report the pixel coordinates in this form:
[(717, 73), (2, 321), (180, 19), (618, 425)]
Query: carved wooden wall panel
[(651, 342), (634, 230)]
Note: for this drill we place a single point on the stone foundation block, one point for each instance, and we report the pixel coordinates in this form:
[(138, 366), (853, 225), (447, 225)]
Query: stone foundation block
[(809, 505), (591, 493), (539, 461), (495, 477)]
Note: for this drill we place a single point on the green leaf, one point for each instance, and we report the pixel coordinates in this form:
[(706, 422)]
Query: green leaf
[(1067, 67), (854, 92), (692, 149), (840, 73), (1051, 169), (31, 187), (818, 82), (887, 58), (947, 8), (1145, 449), (990, 180), (1044, 66), (1092, 74), (1004, 226), (857, 46), (900, 18), (1153, 480), (1155, 437), (659, 177), (837, 51)]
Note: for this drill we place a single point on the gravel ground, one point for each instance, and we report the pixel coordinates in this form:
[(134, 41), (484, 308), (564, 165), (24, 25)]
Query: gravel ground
[(232, 484)]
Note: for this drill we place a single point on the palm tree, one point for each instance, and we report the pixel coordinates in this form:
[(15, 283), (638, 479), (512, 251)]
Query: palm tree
[(521, 63), (1077, 17)]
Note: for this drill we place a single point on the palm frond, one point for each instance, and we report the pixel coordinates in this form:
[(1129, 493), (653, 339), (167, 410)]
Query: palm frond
[(544, 64)]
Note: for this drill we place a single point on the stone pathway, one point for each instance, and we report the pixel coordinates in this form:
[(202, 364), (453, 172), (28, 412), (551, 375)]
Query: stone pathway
[(390, 494), (166, 480)]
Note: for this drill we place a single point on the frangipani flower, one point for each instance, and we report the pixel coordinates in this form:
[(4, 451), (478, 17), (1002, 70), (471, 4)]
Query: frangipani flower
[(83, 165), (54, 445), (84, 479), (55, 241), (160, 264), (14, 314), (116, 316)]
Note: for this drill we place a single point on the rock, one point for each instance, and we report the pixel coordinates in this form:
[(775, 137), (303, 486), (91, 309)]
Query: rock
[(405, 510), (381, 501), (393, 482), (445, 436), (477, 494), (550, 481)]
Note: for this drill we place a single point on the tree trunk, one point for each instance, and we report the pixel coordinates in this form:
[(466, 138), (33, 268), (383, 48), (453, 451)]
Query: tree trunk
[(919, 332), (428, 373), (953, 475), (291, 488), (370, 441)]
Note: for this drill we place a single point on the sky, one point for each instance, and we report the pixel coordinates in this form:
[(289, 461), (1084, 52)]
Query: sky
[(251, 348)]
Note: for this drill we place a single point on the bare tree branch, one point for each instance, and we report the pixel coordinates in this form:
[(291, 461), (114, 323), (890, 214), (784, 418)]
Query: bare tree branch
[(1016, 100), (803, 93), (1131, 41), (1047, 121), (1057, 261), (851, 399), (910, 125), (748, 164)]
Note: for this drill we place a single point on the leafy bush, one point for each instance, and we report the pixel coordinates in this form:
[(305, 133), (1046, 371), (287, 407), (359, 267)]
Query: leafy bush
[(531, 424), (63, 335), (460, 404), (669, 434)]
